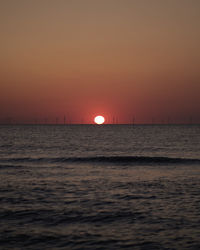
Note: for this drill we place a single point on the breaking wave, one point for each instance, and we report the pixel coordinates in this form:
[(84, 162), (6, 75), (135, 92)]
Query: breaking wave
[(105, 159)]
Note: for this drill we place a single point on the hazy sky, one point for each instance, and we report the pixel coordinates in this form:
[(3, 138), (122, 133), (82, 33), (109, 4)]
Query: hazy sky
[(118, 58)]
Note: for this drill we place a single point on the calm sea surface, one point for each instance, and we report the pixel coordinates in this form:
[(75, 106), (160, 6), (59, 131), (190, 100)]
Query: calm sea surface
[(100, 187)]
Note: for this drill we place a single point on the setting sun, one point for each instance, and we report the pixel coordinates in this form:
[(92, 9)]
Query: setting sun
[(99, 119)]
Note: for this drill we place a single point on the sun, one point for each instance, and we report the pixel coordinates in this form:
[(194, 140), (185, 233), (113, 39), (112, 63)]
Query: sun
[(99, 119)]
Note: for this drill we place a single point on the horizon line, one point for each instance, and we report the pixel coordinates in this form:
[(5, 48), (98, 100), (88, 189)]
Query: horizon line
[(69, 124)]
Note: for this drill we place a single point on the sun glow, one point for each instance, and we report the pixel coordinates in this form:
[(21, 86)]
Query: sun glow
[(99, 119)]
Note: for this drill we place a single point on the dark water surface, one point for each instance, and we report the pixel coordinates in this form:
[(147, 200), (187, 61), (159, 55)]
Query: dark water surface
[(100, 187)]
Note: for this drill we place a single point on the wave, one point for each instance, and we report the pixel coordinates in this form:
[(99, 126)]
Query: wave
[(105, 159)]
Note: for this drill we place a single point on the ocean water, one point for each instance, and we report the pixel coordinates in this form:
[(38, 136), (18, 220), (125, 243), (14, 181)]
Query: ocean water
[(100, 187)]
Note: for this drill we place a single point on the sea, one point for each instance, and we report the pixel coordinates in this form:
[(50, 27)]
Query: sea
[(99, 187)]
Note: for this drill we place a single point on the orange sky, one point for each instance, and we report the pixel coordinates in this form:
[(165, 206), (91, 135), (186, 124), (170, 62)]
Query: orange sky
[(111, 57)]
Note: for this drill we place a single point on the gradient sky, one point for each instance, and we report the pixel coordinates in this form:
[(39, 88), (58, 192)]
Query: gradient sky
[(81, 58)]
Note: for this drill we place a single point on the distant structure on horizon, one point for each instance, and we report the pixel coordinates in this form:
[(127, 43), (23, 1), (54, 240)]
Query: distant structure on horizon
[(133, 120)]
